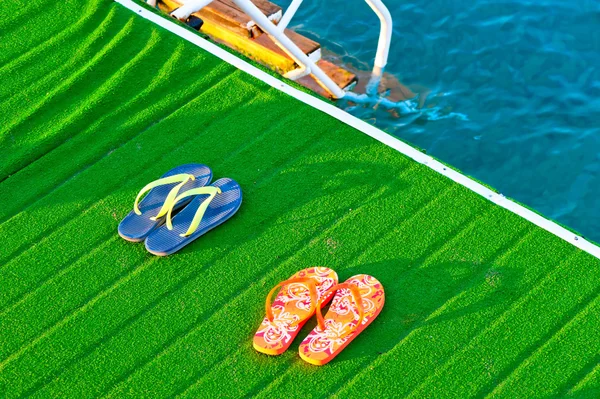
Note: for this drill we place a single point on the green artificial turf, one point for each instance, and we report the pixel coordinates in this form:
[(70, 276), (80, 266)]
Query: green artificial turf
[(95, 102)]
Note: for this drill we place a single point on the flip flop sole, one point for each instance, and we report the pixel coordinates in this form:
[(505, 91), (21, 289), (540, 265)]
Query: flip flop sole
[(163, 242), (322, 346), (291, 310), (140, 238)]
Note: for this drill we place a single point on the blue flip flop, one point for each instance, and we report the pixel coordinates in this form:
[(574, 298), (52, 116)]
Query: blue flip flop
[(210, 206), (150, 213)]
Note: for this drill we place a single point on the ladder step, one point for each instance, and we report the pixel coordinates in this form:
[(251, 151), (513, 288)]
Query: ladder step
[(343, 78), (230, 26), (227, 14), (308, 46), (272, 11), (224, 22)]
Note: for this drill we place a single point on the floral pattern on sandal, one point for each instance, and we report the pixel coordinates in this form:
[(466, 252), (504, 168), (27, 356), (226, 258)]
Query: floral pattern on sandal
[(293, 306), (356, 304)]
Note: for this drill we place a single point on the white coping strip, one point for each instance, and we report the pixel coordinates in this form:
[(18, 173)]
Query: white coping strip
[(366, 128)]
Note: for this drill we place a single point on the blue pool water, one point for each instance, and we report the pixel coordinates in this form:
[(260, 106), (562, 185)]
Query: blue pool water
[(515, 90)]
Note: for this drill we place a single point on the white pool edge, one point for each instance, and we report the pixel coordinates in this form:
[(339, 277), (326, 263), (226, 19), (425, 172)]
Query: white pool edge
[(367, 129)]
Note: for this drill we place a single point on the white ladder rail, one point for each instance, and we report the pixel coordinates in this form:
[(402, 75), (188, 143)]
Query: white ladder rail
[(307, 66)]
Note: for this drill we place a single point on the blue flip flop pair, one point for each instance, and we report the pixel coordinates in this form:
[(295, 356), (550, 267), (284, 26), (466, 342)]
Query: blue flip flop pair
[(180, 207)]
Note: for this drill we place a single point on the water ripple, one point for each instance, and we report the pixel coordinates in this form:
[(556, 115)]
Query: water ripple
[(507, 91)]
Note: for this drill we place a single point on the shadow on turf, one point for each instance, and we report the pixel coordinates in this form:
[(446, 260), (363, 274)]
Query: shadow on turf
[(413, 293), (318, 186), (243, 228)]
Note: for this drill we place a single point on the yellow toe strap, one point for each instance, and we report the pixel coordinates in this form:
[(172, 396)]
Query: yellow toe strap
[(211, 191), (170, 200)]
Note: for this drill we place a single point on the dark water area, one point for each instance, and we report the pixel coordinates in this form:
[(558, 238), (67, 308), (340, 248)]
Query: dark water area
[(514, 90)]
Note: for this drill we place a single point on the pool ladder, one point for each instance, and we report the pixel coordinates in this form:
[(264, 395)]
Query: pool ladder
[(306, 65)]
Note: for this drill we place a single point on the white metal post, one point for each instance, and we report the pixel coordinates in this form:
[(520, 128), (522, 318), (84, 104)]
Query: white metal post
[(289, 14), (289, 47), (385, 32), (306, 64)]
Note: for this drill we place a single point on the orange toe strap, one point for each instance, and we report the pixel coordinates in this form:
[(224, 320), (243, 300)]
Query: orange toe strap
[(312, 287), (357, 299)]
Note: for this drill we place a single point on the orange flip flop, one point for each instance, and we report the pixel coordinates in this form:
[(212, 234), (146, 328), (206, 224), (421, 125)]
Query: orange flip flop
[(293, 306), (356, 304)]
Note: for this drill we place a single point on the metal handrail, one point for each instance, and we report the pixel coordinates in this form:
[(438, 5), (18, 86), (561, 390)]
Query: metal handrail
[(307, 66), (289, 14)]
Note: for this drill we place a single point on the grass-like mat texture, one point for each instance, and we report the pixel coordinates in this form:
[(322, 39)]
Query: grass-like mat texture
[(95, 102)]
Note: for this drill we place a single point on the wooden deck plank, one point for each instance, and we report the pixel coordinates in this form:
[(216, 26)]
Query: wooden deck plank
[(339, 75), (269, 54), (227, 13), (268, 8), (305, 44), (227, 24), (230, 26), (221, 14)]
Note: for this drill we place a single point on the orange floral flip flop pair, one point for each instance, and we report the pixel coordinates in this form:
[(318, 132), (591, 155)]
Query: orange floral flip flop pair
[(356, 303)]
